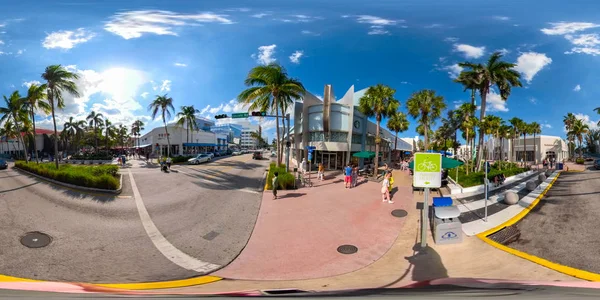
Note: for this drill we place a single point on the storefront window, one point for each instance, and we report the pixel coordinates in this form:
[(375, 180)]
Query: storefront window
[(356, 139), (338, 137), (317, 136)]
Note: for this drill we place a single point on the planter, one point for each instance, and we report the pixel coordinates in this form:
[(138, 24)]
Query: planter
[(88, 162), (77, 187), (491, 187)]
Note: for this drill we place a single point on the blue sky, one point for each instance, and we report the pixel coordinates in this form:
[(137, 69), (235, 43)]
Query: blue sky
[(199, 52)]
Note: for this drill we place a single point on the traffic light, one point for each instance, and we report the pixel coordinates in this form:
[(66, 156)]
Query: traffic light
[(221, 116), (259, 113)]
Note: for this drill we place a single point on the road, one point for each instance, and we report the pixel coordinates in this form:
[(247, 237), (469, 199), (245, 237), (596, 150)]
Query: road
[(563, 227), (195, 214)]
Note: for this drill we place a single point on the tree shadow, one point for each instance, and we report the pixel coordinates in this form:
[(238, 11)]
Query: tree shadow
[(218, 180)]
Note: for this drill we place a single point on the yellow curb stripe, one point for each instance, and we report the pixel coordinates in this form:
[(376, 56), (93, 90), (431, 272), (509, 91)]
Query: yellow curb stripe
[(134, 286), (582, 274)]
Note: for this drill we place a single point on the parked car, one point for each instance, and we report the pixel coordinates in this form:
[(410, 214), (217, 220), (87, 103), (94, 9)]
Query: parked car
[(3, 164), (212, 155), (597, 164), (257, 155), (236, 153), (200, 158)]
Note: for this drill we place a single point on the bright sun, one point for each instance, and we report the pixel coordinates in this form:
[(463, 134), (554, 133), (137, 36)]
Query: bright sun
[(121, 83)]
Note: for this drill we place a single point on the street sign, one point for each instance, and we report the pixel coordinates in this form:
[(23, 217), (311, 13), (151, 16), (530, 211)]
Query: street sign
[(427, 170), (239, 115)]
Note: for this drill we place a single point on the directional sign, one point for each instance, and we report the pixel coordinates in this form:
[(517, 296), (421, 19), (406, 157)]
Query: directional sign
[(427, 170), (239, 115)]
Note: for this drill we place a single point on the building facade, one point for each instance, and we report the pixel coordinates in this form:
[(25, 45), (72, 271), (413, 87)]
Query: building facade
[(10, 147), (337, 130), (231, 131), (530, 149), (246, 140), (182, 142)]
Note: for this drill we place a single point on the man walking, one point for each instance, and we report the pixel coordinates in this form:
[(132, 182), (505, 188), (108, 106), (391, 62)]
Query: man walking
[(348, 176)]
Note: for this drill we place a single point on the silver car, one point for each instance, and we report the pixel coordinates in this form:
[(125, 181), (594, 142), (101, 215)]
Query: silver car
[(199, 159)]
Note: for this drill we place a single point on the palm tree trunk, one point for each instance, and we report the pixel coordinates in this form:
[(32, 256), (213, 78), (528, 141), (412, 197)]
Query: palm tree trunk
[(469, 153), (396, 141), (278, 135), (168, 139), (534, 150), (376, 160), (481, 117), (106, 144), (34, 142), (96, 135), (20, 137), (51, 98), (524, 150)]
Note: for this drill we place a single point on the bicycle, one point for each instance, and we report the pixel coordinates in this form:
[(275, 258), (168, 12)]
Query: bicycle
[(305, 180), (426, 166)]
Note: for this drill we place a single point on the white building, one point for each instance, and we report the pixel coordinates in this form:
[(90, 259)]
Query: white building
[(182, 141), (545, 146), (247, 141), (44, 145)]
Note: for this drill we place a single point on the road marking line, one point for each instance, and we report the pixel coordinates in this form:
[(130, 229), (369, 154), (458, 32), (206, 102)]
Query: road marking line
[(162, 244)]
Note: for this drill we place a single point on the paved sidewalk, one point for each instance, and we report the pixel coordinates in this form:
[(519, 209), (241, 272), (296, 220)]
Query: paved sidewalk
[(297, 235)]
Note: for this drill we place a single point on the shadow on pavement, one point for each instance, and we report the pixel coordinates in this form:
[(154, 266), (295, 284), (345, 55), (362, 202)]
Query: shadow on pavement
[(83, 195), (218, 180), (18, 188), (9, 176), (291, 195), (426, 264)]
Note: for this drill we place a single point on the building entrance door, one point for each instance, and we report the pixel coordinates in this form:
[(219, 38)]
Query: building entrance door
[(329, 160)]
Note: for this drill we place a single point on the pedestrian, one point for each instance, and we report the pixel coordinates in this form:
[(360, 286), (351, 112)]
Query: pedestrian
[(354, 175), (551, 162), (303, 167), (275, 185), (385, 192), (124, 160), (391, 183), (321, 172), (348, 176), (119, 161), (169, 163), (545, 163)]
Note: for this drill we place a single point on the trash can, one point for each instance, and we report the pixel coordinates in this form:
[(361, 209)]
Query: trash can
[(559, 166), (447, 228)]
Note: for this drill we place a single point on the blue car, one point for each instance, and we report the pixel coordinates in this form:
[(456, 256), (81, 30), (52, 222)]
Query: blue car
[(3, 164)]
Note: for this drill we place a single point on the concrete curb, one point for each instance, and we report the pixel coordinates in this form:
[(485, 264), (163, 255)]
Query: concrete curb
[(582, 274), (76, 187)]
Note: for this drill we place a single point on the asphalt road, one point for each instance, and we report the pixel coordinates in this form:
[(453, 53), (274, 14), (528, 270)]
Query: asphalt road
[(563, 227), (206, 211)]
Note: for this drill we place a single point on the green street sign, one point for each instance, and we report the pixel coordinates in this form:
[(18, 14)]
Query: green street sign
[(428, 170), (239, 115)]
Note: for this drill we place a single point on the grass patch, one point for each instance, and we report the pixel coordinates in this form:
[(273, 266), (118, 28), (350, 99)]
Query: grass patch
[(476, 178), (286, 179), (99, 177)]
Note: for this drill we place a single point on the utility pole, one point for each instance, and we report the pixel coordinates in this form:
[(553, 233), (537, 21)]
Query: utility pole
[(288, 144)]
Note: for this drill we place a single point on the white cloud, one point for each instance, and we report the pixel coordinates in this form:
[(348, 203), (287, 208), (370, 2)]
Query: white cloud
[(457, 104), (260, 15), (501, 18), (66, 39), (265, 54), (434, 25), (204, 110), (373, 20), (453, 70), (299, 19), (584, 50), (503, 51), (561, 28), (469, 51), (215, 110), (308, 32), (377, 30), (495, 103), (587, 120), (134, 24), (1, 42), (577, 88), (20, 51), (241, 9), (165, 86), (530, 63), (404, 82), (29, 83), (451, 39), (295, 57), (584, 43), (546, 125), (533, 100), (180, 64), (144, 95)]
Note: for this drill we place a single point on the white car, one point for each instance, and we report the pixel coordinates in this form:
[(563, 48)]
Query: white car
[(236, 153), (199, 159)]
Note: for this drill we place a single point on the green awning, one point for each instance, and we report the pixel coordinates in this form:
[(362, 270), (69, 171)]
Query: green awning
[(447, 163), (364, 154)]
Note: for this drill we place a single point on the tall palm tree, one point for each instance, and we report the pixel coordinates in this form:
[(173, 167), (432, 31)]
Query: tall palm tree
[(379, 102), (36, 94), (74, 129), (136, 129), (58, 79), (122, 135), (187, 116), (427, 107), (494, 73), (535, 128), (397, 123), (95, 119), (493, 124), (516, 124), (9, 131), (270, 89), (467, 126), (569, 120), (164, 105), (525, 130), (16, 111), (108, 132), (578, 130), (504, 132)]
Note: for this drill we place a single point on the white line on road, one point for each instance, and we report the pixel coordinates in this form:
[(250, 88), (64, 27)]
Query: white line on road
[(162, 244)]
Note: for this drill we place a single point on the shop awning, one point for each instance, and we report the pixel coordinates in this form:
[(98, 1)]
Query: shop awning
[(364, 154), (447, 163), (200, 145), (142, 146)]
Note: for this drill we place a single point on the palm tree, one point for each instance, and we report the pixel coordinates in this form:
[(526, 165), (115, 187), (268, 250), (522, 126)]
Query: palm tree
[(496, 72), (9, 131), (58, 79), (74, 129), (578, 130), (493, 126), (535, 128), (516, 124), (122, 135), (427, 107), (108, 132), (504, 132), (16, 111), (95, 120), (164, 104), (569, 120), (397, 123), (525, 130), (187, 115), (136, 129), (467, 126), (270, 89), (379, 102), (36, 94)]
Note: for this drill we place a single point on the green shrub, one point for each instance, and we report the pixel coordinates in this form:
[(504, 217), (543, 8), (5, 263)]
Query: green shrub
[(476, 178), (92, 156), (100, 177), (580, 161), (286, 179)]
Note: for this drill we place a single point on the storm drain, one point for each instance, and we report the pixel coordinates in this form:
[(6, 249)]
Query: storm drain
[(210, 236), (35, 239), (347, 249), (399, 213), (506, 235)]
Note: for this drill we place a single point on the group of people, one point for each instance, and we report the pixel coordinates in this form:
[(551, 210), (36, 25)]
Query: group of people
[(499, 179), (350, 176), (549, 161)]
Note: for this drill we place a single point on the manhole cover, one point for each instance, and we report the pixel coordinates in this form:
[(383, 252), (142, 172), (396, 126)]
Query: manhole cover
[(399, 213), (210, 236), (347, 249), (35, 240)]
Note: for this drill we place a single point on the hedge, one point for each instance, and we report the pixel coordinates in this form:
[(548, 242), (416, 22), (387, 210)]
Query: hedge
[(92, 156), (580, 161), (476, 178), (286, 179), (100, 177)]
